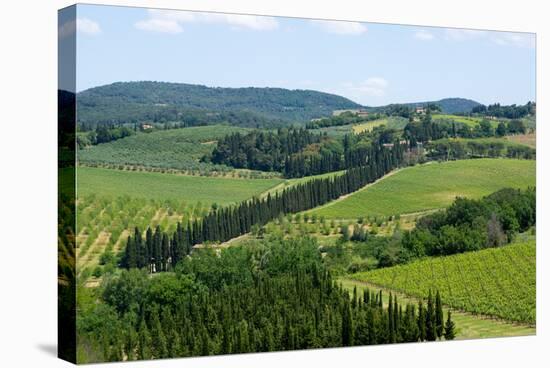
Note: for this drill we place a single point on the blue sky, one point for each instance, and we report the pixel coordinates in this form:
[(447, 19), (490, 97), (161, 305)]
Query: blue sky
[(373, 64)]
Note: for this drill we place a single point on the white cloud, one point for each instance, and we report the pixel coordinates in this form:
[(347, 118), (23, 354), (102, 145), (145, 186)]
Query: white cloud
[(515, 39), (242, 21), (423, 35), (87, 26), (178, 16), (374, 87), (341, 27), (500, 38), (159, 25), (171, 21), (464, 34)]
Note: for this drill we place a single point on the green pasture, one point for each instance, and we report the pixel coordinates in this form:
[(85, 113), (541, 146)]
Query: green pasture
[(158, 186), (431, 186)]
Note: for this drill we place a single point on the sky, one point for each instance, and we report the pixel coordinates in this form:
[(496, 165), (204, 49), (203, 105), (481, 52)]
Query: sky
[(370, 63)]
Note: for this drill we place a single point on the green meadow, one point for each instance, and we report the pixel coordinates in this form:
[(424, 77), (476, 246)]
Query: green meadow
[(467, 120), (431, 186), (391, 122), (159, 186)]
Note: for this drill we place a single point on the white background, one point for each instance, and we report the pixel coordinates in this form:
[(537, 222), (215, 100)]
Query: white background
[(28, 249)]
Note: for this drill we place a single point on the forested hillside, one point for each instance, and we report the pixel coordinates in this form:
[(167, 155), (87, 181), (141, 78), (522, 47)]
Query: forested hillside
[(131, 102)]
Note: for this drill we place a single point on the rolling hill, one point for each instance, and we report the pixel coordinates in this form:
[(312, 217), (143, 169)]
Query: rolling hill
[(453, 105), (128, 102)]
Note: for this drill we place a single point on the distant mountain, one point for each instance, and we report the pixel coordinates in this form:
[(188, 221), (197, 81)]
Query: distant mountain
[(451, 105), (128, 102)]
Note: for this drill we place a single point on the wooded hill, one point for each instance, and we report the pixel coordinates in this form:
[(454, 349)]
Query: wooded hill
[(130, 102), (453, 105)]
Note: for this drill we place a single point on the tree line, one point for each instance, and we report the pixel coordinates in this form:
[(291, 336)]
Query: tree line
[(298, 153), (103, 134), (225, 223), (345, 118), (506, 111), (407, 110), (445, 149), (470, 224), (274, 296), (427, 130)]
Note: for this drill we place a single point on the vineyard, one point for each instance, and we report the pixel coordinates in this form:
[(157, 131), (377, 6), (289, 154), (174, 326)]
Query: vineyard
[(498, 282), (179, 149)]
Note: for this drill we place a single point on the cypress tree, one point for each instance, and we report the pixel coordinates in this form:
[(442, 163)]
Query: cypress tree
[(397, 314), (131, 342), (438, 315), (149, 249), (430, 319), (449, 327), (160, 345), (144, 348), (347, 324), (165, 252), (421, 321), (157, 250)]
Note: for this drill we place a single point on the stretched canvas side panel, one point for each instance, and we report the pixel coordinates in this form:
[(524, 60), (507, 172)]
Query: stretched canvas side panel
[(66, 125)]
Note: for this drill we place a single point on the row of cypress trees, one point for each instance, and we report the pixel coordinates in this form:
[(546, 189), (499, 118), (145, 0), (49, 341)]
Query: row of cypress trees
[(158, 251)]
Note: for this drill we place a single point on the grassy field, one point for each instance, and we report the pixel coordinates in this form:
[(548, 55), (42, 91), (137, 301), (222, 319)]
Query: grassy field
[(287, 183), (431, 186), (497, 282), (392, 122), (157, 186), (334, 131), (525, 139), (468, 325), (179, 149), (368, 126), (467, 120)]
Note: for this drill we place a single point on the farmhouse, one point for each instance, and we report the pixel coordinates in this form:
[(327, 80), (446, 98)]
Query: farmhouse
[(145, 126), (420, 110)]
